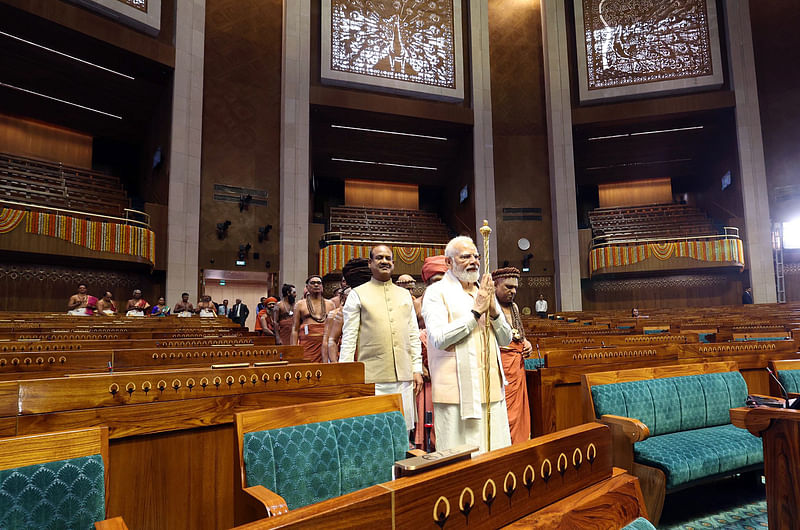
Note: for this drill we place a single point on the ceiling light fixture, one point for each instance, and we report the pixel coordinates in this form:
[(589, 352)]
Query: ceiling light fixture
[(642, 133), (51, 50), (382, 131), (634, 164), (373, 163), (59, 100)]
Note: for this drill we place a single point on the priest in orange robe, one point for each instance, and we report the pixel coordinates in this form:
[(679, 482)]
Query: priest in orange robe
[(513, 355)]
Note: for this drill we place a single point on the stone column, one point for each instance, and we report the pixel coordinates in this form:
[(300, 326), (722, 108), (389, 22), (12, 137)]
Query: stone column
[(483, 146), (562, 163), (295, 160), (758, 232), (183, 220)]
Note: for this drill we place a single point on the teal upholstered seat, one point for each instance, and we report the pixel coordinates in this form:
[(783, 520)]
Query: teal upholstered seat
[(790, 379), (62, 494), (689, 421), (702, 453), (317, 461), (639, 524), (534, 363)]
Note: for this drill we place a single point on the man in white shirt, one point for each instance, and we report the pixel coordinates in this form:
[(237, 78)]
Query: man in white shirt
[(379, 319), (541, 307), (455, 311)]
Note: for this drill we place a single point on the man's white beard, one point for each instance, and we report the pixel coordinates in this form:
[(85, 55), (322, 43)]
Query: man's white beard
[(466, 276)]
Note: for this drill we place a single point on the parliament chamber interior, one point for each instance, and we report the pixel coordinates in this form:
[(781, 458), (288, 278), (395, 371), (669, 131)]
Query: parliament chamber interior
[(224, 222)]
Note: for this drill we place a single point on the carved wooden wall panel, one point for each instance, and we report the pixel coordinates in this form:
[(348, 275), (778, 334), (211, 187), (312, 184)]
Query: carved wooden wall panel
[(689, 290), (37, 287)]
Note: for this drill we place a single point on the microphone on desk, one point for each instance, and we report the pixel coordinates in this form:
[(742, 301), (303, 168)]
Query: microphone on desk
[(783, 390)]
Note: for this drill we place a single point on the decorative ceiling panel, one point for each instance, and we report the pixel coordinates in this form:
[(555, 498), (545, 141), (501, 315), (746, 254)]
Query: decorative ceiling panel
[(635, 47), (401, 45)]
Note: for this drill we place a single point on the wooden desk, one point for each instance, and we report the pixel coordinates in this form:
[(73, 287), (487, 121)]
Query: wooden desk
[(559, 480), (780, 431), (171, 431)]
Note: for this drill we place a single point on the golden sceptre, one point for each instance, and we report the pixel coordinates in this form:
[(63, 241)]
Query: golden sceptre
[(485, 232)]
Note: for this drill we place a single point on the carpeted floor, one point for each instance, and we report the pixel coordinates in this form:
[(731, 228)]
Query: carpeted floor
[(737, 504), (748, 517)]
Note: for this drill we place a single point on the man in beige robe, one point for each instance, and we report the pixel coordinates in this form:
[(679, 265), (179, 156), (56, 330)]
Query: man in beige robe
[(380, 321)]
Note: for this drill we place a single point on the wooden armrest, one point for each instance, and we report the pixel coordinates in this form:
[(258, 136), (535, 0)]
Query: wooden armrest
[(272, 502), (624, 432), (415, 452), (633, 429), (115, 523)]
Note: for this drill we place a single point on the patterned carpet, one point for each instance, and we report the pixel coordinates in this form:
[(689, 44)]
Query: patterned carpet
[(737, 504), (751, 516)]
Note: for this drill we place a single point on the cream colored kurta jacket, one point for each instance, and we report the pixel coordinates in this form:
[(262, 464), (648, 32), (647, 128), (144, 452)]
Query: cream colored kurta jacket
[(455, 347), (379, 318)]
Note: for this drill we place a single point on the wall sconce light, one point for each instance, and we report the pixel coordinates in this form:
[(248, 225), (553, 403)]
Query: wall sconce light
[(526, 262), (243, 250), (222, 229), (244, 202), (263, 233)]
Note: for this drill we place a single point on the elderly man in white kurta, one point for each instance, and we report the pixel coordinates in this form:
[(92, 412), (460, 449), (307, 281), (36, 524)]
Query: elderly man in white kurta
[(455, 309), (380, 321)]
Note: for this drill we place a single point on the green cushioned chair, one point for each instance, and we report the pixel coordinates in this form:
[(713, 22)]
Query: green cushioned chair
[(790, 379), (54, 480), (677, 425), (294, 456), (788, 373)]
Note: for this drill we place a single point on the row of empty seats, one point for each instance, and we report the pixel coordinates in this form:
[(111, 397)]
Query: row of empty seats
[(668, 221), (40, 182), (390, 224)]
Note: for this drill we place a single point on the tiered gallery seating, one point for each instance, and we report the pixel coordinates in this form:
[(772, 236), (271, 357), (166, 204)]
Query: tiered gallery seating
[(39, 182), (387, 224), (663, 221)]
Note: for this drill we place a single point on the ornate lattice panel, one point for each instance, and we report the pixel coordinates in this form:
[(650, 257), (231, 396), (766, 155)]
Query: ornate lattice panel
[(141, 5), (144, 15), (632, 47), (401, 45)]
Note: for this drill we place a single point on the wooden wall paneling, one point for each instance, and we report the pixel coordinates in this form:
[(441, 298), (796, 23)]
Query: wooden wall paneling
[(791, 271), (519, 134), (46, 287), (675, 290), (635, 193), (30, 138), (774, 25), (376, 194), (241, 129)]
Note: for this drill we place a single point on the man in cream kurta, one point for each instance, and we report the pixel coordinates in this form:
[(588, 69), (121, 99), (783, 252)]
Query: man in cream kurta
[(455, 309), (379, 320)]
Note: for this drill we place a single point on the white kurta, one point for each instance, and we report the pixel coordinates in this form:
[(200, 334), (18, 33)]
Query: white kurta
[(453, 331)]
